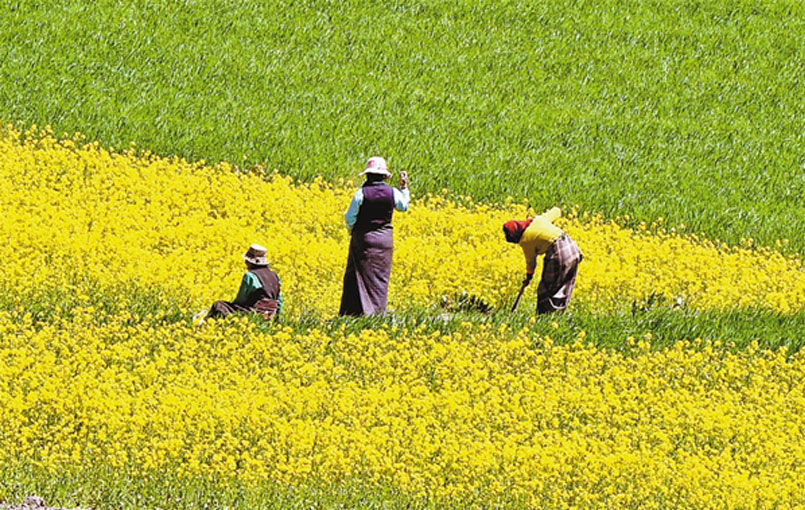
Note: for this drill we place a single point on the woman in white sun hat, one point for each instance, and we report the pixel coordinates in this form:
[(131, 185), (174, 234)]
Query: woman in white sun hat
[(366, 279)]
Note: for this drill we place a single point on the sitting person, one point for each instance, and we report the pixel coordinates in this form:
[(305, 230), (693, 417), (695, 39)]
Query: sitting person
[(259, 290)]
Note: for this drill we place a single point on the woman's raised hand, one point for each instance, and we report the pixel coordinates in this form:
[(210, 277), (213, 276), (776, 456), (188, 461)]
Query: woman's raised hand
[(403, 179)]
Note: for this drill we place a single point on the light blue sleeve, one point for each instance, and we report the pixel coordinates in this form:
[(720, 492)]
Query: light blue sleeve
[(352, 213), (401, 199)]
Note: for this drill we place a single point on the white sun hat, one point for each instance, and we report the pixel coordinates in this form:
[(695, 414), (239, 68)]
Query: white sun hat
[(256, 255), (376, 165)]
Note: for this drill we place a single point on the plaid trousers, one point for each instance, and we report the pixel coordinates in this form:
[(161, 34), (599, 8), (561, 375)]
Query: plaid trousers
[(558, 275)]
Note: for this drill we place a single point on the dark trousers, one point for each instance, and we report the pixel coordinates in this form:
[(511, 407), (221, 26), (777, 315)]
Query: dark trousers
[(559, 272), (268, 308), (224, 308)]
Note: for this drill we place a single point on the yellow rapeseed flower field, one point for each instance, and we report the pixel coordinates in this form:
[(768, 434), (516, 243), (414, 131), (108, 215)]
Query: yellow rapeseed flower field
[(476, 414), (478, 411), (83, 218)]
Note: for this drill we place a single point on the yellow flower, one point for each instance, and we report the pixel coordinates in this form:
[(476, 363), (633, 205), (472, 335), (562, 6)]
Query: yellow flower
[(91, 235)]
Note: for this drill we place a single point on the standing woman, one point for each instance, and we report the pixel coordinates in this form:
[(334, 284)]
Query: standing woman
[(366, 280), (537, 236)]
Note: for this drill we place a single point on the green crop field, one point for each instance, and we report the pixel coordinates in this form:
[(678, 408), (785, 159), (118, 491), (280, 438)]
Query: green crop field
[(687, 110)]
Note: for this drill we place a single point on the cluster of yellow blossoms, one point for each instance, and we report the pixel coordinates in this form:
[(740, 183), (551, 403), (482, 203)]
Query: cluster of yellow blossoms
[(83, 218), (479, 414)]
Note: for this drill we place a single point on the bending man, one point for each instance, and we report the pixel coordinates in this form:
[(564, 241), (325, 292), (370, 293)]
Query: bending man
[(537, 236)]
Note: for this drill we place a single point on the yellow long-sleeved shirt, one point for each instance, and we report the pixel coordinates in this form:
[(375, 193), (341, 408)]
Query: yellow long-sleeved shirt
[(539, 236)]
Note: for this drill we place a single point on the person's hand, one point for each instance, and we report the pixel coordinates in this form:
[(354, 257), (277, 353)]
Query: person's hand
[(527, 279), (403, 179)]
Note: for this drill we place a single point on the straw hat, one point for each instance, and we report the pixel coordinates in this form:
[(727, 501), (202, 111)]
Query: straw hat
[(256, 255), (376, 165)]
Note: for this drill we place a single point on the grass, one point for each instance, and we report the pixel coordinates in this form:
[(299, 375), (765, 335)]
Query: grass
[(690, 111), (99, 487), (666, 322), (734, 329)]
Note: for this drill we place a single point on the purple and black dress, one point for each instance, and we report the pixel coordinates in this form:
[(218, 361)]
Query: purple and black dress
[(366, 280)]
